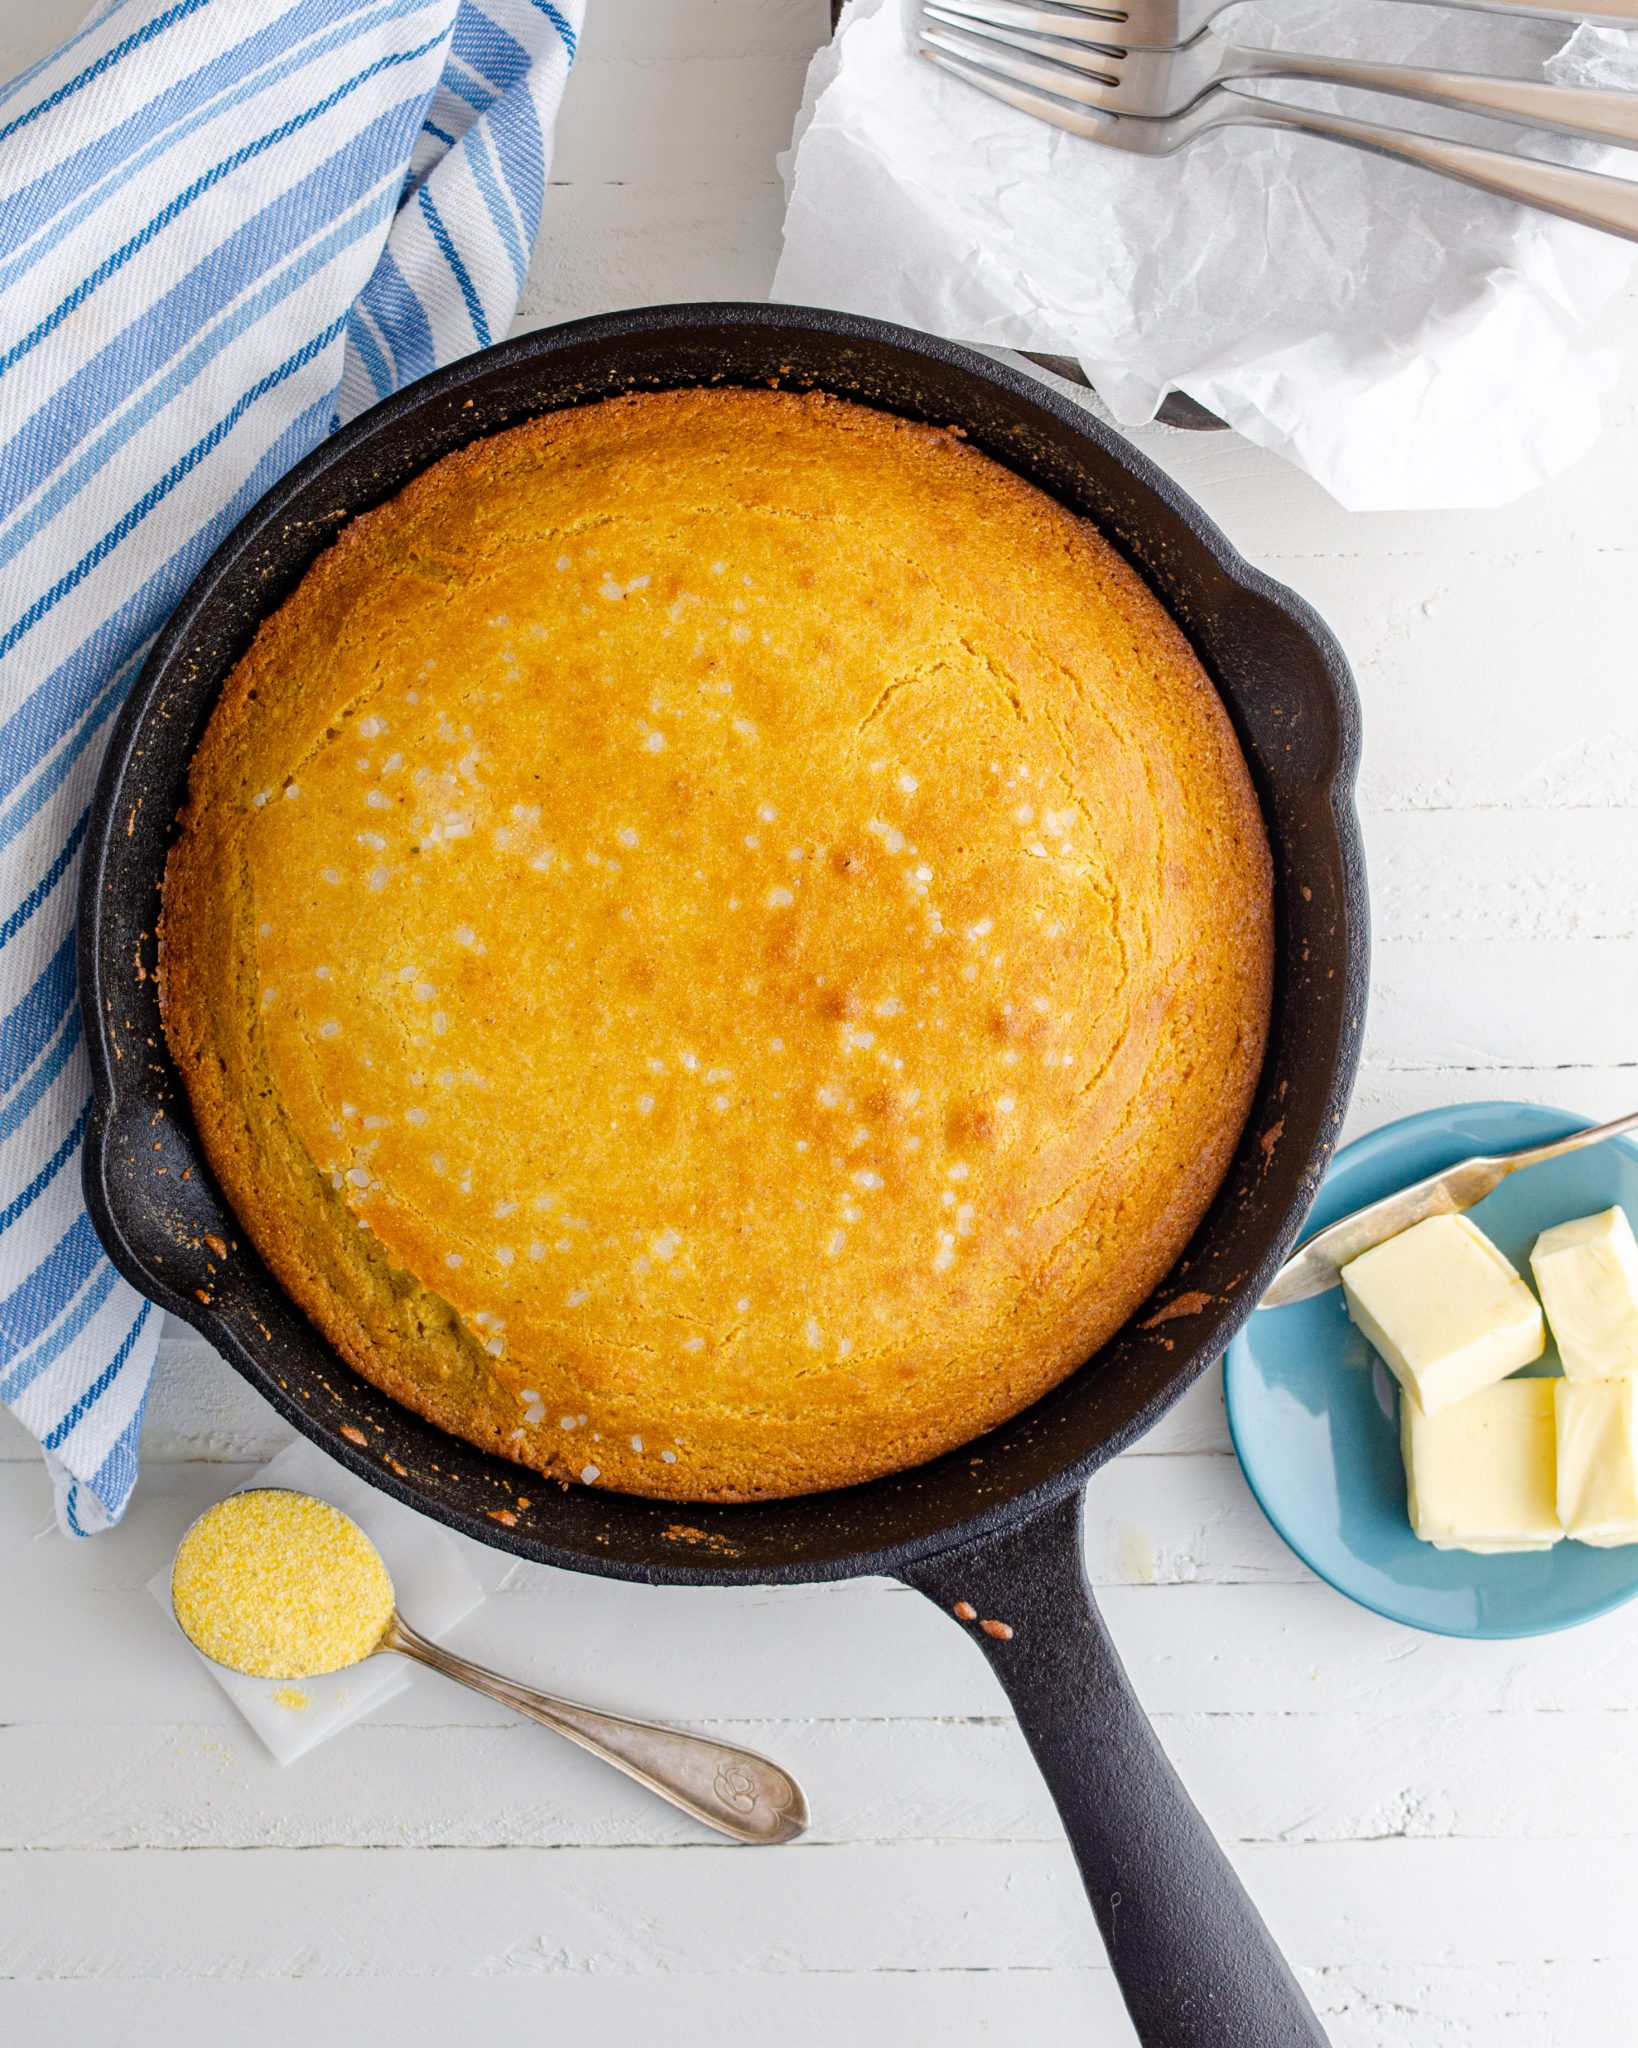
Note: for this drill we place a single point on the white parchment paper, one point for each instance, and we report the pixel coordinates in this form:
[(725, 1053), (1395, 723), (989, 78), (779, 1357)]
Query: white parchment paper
[(1407, 340)]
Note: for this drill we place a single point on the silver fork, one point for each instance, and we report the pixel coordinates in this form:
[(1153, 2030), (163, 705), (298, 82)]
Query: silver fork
[(1158, 83), (1033, 85), (1163, 24)]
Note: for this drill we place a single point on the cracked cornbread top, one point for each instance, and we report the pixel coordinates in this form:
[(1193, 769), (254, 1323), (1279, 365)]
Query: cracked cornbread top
[(720, 943)]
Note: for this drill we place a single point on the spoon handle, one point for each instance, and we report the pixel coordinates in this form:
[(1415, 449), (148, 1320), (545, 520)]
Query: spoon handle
[(734, 1790)]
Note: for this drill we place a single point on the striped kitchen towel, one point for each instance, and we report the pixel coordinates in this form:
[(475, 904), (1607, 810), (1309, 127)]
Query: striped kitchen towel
[(225, 227)]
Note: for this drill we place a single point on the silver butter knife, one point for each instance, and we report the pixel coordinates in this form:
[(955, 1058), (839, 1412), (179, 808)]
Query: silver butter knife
[(1316, 1267)]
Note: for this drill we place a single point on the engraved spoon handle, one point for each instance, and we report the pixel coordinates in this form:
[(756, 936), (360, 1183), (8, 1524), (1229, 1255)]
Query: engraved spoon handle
[(734, 1790)]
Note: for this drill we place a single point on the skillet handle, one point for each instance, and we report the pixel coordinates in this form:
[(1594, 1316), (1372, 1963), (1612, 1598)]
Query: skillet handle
[(1195, 1964)]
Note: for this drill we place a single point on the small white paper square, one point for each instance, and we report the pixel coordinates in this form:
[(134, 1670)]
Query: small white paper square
[(435, 1589)]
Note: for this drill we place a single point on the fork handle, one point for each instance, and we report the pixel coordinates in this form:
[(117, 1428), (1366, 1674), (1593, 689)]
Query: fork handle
[(1571, 109), (1585, 196), (1108, 21), (1613, 13)]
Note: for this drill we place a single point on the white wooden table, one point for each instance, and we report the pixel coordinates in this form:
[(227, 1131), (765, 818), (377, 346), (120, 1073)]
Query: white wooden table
[(1443, 1835)]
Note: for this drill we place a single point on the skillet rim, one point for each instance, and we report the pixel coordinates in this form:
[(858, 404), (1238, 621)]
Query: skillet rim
[(1210, 1333)]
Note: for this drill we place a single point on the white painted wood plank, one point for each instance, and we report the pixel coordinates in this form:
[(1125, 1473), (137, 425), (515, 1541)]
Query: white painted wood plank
[(1497, 2005), (102, 1653), (605, 247), (655, 32), (715, 116), (1546, 1001), (482, 1777), (957, 2008), (663, 179), (1502, 876), (1505, 2004), (1388, 1089), (375, 1913)]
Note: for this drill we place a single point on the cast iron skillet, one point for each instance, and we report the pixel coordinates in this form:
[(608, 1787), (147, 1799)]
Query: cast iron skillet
[(992, 1529)]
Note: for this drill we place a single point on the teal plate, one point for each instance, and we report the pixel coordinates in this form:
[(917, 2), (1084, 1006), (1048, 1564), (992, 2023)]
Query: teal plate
[(1313, 1411)]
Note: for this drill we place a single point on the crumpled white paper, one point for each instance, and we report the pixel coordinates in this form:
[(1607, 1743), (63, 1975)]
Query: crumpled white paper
[(1408, 341)]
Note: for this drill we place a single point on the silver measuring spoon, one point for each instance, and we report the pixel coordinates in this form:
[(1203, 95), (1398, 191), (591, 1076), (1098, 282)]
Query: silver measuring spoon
[(733, 1790)]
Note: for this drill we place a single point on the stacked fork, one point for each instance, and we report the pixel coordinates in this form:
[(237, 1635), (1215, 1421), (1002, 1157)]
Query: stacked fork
[(1149, 76)]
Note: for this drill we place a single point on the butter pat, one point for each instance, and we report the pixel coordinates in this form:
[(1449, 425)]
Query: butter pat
[(1597, 1460), (1588, 1275), (1445, 1309), (1479, 1474)]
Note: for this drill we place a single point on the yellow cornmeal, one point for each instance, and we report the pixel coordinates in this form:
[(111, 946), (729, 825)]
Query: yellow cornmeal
[(279, 1585)]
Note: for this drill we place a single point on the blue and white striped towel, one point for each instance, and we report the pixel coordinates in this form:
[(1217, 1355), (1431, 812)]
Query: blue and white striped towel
[(225, 227)]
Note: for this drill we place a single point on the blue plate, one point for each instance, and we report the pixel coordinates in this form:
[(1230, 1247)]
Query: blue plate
[(1313, 1413)]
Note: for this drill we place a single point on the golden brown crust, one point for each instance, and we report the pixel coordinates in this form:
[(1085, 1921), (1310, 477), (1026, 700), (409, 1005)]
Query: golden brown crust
[(766, 960)]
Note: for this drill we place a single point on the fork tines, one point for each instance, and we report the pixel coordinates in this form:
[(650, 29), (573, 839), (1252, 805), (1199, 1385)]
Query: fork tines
[(1050, 107), (986, 62), (1074, 24)]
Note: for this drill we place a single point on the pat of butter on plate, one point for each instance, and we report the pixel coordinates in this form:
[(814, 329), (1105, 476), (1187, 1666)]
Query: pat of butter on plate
[(1479, 1475), (1597, 1460), (1445, 1309), (1587, 1271)]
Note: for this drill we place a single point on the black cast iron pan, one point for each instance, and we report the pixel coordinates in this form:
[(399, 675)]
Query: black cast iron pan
[(993, 1528)]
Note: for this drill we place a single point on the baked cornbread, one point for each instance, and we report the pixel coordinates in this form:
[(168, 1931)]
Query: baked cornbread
[(720, 943)]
